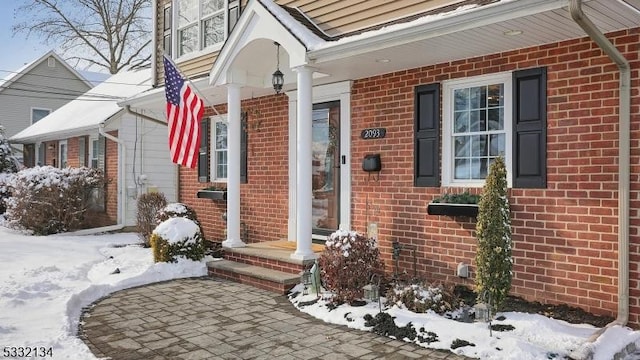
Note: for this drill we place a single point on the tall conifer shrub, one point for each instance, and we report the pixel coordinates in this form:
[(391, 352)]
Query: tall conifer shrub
[(493, 230)]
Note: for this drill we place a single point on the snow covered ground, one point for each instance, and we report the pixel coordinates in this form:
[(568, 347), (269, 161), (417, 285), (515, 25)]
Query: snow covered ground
[(46, 281)]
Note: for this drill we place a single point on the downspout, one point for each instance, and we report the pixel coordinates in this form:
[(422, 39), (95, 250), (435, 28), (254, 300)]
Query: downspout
[(575, 8), (122, 151), (154, 41)]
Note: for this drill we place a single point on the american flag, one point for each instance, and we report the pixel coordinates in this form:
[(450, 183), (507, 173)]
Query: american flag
[(184, 111)]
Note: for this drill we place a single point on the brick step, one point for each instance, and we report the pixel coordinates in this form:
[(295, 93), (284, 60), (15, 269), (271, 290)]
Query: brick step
[(260, 277), (268, 258)]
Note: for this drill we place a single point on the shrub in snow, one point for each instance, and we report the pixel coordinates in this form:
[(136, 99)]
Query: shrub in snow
[(177, 237), (347, 264), (148, 206), (49, 200), (8, 165), (8, 162), (421, 298), (176, 210), (493, 230)]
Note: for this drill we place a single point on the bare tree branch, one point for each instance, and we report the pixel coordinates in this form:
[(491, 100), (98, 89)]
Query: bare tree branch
[(110, 34)]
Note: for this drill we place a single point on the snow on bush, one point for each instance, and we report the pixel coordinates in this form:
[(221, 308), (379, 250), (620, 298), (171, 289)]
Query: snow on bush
[(49, 200), (420, 298), (177, 237), (8, 165), (176, 210), (347, 264)]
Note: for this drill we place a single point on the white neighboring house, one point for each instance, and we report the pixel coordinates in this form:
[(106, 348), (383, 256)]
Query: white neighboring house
[(94, 131), (35, 90)]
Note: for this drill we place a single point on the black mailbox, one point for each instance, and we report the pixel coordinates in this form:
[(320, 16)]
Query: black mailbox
[(371, 163)]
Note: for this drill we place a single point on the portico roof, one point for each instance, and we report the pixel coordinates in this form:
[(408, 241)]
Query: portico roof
[(471, 29)]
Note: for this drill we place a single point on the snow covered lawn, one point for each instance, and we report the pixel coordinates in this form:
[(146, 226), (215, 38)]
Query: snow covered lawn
[(46, 281)]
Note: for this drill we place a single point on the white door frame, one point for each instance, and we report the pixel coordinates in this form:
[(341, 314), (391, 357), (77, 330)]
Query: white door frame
[(324, 93)]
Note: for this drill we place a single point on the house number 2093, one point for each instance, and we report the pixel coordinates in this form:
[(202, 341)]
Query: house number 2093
[(374, 133)]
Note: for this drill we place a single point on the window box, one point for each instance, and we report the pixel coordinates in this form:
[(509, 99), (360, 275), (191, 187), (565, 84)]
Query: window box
[(212, 194), (462, 204), (450, 209)]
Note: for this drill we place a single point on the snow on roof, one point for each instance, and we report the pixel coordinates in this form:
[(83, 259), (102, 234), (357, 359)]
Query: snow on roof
[(89, 110), (300, 31), (402, 25)]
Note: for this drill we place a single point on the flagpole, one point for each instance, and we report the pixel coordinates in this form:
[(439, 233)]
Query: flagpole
[(195, 88)]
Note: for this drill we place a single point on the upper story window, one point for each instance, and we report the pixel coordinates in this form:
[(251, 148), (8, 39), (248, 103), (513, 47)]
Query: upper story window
[(476, 127), (37, 114), (201, 24), (197, 24)]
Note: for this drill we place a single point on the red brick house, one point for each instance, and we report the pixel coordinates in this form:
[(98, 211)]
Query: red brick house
[(437, 89)]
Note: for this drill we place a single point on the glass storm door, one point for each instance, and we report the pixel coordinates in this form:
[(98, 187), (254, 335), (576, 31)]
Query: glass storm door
[(326, 168)]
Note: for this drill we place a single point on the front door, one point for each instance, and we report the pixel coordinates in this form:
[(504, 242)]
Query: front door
[(326, 168)]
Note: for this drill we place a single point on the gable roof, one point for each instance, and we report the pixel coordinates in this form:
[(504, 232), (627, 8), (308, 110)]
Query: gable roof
[(89, 110), (15, 76)]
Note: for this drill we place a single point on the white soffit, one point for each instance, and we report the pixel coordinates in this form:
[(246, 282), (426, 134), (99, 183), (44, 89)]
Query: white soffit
[(353, 61)]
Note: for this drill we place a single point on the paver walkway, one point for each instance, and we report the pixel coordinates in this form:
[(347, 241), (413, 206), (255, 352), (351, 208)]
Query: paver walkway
[(207, 318)]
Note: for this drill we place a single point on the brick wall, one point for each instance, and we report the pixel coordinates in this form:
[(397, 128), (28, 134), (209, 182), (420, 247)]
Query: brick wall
[(264, 199), (565, 236)]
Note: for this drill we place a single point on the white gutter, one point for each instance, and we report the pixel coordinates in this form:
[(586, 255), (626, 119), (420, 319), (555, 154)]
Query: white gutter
[(575, 8), (475, 18), (97, 230), (122, 151)]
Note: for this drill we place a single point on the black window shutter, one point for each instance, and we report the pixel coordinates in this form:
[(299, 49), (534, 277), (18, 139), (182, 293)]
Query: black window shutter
[(427, 135), (244, 140), (203, 153), (530, 128)]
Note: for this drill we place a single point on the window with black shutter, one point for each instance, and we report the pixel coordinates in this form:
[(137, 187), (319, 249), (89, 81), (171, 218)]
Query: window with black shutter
[(427, 135)]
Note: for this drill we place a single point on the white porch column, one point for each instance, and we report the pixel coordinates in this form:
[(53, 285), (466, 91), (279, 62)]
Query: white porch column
[(233, 167), (293, 168), (304, 165)]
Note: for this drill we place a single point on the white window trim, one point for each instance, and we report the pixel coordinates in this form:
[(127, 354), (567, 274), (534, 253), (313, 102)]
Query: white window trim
[(38, 108), (37, 155), (90, 152), (447, 125), (202, 50), (213, 173), (66, 155)]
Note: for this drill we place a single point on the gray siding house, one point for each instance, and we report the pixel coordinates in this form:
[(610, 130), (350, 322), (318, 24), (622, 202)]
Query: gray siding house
[(35, 90)]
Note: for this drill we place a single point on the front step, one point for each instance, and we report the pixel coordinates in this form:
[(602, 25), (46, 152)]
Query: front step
[(260, 277)]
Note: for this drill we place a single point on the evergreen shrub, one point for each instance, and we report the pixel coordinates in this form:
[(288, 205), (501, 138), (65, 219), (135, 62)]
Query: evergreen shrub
[(493, 231), (177, 237)]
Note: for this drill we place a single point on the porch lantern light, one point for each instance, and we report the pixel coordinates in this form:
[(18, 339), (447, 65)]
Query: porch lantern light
[(277, 79), (372, 291), (482, 312), (306, 280)]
